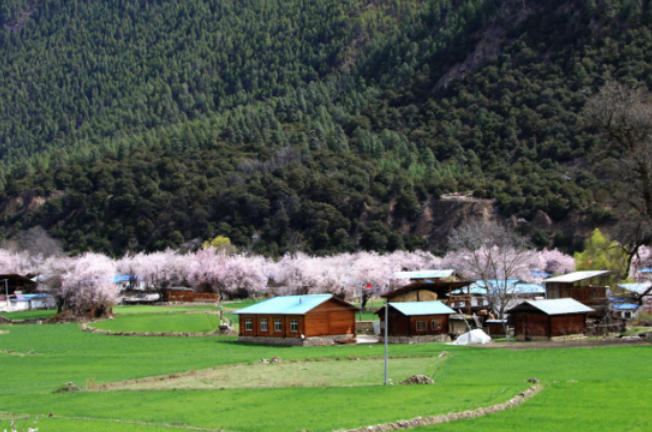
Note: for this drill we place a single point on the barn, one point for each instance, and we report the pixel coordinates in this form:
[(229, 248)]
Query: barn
[(587, 287), (416, 322), (303, 320), (549, 319)]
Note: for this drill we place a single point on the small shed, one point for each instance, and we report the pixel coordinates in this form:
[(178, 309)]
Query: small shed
[(496, 327), (549, 319), (301, 320), (416, 322), (587, 287)]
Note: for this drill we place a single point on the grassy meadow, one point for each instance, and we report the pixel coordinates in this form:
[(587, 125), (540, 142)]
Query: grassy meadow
[(592, 389)]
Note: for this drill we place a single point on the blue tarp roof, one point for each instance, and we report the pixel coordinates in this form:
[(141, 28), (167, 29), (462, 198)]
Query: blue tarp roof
[(540, 273), (287, 305), (125, 278), (422, 308), (626, 306), (424, 274), (27, 297), (514, 286)]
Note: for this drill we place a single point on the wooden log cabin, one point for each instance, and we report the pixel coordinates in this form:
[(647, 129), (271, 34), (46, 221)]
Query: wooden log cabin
[(416, 322), (304, 320), (549, 319), (587, 287)]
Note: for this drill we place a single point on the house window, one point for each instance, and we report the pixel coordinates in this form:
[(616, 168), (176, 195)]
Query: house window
[(277, 325), (249, 325), (263, 325), (421, 325), (435, 325), (294, 326)]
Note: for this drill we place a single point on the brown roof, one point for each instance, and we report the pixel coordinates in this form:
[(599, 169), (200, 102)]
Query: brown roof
[(437, 286)]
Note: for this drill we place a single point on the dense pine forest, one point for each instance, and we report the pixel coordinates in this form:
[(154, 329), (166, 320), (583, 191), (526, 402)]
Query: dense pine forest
[(325, 126)]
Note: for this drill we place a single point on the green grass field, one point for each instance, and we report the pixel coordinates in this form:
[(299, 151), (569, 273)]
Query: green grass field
[(163, 322), (29, 315), (592, 389)]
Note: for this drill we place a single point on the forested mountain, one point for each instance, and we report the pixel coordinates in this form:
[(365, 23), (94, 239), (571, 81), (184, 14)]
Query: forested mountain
[(321, 125)]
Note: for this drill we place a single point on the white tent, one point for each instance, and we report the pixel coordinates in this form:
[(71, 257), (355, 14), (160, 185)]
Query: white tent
[(474, 337)]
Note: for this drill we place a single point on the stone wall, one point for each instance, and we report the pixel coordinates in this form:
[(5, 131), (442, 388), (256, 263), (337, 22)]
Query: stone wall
[(415, 339), (446, 418), (87, 328), (311, 341)]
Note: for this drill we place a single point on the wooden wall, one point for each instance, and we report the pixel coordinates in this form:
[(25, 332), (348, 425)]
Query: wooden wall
[(330, 318), (531, 324), (401, 325), (285, 331), (567, 324)]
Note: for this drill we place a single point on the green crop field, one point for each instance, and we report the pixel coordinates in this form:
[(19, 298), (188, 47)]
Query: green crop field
[(593, 389), (29, 315), (164, 322)]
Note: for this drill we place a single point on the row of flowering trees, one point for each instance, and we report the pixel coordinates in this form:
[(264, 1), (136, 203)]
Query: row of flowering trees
[(84, 284)]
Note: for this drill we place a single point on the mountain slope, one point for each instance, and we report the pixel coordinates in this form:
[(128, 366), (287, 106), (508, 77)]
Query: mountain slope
[(317, 125)]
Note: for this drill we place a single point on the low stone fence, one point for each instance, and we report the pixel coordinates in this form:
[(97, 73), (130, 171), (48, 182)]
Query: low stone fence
[(414, 339), (309, 341), (446, 418), (228, 332)]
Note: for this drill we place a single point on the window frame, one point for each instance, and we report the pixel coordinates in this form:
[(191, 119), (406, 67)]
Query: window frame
[(432, 324), (422, 325), (263, 321), (249, 324), (294, 326), (278, 325)]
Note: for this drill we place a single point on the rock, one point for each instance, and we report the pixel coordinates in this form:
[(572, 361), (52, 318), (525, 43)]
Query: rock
[(275, 360), (533, 380), (4, 320), (264, 361), (418, 379)]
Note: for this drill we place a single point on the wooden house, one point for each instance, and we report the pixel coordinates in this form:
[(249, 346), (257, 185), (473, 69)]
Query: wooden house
[(549, 319), (307, 320), (587, 287), (415, 322), (432, 285)]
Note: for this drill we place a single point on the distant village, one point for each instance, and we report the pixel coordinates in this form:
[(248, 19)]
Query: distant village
[(296, 307)]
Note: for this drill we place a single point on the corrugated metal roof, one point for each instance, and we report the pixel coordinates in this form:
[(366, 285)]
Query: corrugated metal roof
[(514, 286), (639, 288), (424, 274), (287, 305), (578, 276), (422, 308), (558, 306)]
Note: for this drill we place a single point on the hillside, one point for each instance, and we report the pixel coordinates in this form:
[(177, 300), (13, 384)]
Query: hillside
[(324, 126)]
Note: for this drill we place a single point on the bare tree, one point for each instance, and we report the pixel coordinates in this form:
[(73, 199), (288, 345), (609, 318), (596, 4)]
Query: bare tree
[(492, 253), (37, 241), (624, 117)]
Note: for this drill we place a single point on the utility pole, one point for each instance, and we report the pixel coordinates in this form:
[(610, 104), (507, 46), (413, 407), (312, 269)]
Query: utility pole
[(386, 326)]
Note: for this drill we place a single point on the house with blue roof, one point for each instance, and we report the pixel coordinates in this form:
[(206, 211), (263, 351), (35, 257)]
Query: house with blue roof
[(299, 320), (416, 322)]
